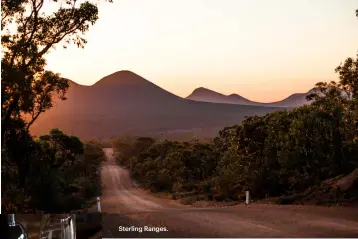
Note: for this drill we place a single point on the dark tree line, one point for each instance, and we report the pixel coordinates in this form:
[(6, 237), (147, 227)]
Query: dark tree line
[(59, 174)]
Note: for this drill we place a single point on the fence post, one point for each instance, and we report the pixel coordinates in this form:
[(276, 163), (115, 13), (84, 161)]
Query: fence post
[(247, 197), (98, 204)]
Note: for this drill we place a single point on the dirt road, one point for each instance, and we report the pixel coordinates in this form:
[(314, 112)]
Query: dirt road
[(124, 206)]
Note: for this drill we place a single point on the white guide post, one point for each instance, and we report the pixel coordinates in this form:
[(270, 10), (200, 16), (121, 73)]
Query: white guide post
[(247, 197), (98, 204)]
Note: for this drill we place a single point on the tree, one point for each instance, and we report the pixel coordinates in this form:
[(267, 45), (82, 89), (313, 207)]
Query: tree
[(61, 174), (348, 79), (28, 35), (60, 149), (28, 89)]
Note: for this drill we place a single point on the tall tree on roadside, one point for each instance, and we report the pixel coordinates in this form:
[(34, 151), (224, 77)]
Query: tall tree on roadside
[(28, 34), (348, 79), (345, 91)]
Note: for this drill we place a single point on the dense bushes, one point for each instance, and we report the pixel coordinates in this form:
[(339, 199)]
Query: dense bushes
[(58, 174), (286, 152), (282, 153), (168, 165)]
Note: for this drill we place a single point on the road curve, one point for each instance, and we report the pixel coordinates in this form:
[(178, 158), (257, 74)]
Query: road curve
[(125, 205)]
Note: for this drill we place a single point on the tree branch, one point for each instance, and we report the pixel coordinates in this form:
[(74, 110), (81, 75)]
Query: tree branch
[(38, 113), (54, 41)]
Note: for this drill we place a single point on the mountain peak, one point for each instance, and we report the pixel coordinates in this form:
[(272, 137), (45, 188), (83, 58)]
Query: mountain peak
[(201, 89), (123, 77), (204, 91)]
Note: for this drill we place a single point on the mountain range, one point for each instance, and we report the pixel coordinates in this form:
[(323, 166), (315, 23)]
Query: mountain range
[(125, 103), (206, 95)]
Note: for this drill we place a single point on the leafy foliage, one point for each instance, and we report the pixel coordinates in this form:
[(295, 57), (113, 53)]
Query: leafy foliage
[(27, 35), (61, 174), (55, 172)]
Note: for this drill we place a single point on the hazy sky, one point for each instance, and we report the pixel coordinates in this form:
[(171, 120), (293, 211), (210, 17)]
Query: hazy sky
[(261, 49)]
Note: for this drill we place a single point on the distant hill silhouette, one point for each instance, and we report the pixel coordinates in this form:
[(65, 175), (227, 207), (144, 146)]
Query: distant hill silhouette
[(125, 103), (206, 95)]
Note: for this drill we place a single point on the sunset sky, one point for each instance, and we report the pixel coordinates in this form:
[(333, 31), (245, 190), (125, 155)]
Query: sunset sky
[(263, 50)]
